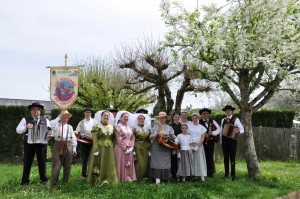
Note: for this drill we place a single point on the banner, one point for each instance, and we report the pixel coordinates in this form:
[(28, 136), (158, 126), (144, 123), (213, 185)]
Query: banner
[(64, 85)]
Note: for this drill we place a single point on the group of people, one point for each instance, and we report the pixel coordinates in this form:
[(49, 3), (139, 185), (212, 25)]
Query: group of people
[(118, 146)]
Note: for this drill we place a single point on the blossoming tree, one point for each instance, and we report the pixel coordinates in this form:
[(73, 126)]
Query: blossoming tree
[(248, 46)]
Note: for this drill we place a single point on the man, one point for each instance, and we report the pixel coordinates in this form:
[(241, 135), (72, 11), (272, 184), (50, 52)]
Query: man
[(84, 132), (229, 144), (34, 123), (64, 147), (114, 112), (212, 129)]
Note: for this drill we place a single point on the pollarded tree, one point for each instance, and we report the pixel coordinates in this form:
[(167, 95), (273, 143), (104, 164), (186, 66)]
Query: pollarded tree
[(153, 68), (249, 47), (102, 86)]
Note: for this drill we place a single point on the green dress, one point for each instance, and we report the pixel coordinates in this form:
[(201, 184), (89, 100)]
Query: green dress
[(102, 165), (141, 147)]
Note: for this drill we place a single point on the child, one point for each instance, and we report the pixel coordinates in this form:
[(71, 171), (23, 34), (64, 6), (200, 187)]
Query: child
[(185, 154)]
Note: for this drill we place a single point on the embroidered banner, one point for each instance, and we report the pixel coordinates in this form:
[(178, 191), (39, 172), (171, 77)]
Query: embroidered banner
[(64, 85)]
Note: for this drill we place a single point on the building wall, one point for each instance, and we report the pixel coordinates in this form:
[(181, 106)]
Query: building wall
[(24, 102)]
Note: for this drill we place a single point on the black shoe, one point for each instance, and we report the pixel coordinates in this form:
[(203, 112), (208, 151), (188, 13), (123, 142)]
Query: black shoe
[(24, 184), (233, 179), (43, 182)]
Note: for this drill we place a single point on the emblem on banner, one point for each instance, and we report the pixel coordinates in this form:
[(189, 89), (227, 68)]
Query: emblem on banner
[(64, 86)]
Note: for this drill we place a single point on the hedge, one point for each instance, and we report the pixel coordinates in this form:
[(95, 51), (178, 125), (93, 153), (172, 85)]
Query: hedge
[(10, 141), (276, 118)]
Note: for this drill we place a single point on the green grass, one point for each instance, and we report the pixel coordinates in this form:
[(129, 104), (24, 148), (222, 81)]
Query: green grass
[(276, 179)]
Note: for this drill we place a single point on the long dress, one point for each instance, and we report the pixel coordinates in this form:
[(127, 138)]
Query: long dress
[(102, 166), (185, 162), (141, 147), (125, 162), (160, 160), (199, 161)]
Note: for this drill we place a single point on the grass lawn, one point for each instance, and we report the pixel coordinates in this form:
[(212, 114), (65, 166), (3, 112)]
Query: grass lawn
[(276, 179)]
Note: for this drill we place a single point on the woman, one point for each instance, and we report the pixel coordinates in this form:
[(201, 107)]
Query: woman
[(176, 125), (141, 145), (124, 148), (197, 133), (102, 166), (160, 160)]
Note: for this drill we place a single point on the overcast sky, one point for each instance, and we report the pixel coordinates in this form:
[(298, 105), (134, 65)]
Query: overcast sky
[(37, 33)]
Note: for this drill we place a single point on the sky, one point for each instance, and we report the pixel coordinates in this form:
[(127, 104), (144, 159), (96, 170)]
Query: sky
[(37, 33)]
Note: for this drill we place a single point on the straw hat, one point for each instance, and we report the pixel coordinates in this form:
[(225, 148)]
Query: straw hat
[(161, 114), (65, 112)]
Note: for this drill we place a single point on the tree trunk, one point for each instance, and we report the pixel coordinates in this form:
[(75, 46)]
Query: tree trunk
[(251, 157), (161, 102), (170, 101)]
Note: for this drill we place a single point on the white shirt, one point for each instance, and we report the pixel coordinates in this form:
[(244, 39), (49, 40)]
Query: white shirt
[(184, 141), (85, 126), (237, 123), (217, 131), (196, 131), (21, 128), (60, 134)]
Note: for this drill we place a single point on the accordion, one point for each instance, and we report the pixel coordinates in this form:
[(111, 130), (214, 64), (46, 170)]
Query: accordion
[(233, 134), (84, 139), (38, 134)]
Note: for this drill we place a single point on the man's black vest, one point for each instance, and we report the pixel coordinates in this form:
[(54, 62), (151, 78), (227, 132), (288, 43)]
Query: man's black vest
[(202, 122)]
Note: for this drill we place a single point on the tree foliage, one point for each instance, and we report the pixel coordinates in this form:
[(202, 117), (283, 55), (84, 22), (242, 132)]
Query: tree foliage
[(103, 87), (249, 47)]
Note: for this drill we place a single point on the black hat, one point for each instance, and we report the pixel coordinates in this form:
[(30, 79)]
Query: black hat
[(204, 110), (88, 109), (144, 111), (228, 107), (36, 104), (113, 110)]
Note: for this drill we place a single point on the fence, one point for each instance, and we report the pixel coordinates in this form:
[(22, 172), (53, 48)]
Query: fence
[(270, 144)]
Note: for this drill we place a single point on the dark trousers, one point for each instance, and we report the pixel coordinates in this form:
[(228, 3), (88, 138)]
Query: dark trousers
[(174, 165), (209, 149), (229, 147), (85, 150), (29, 152)]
